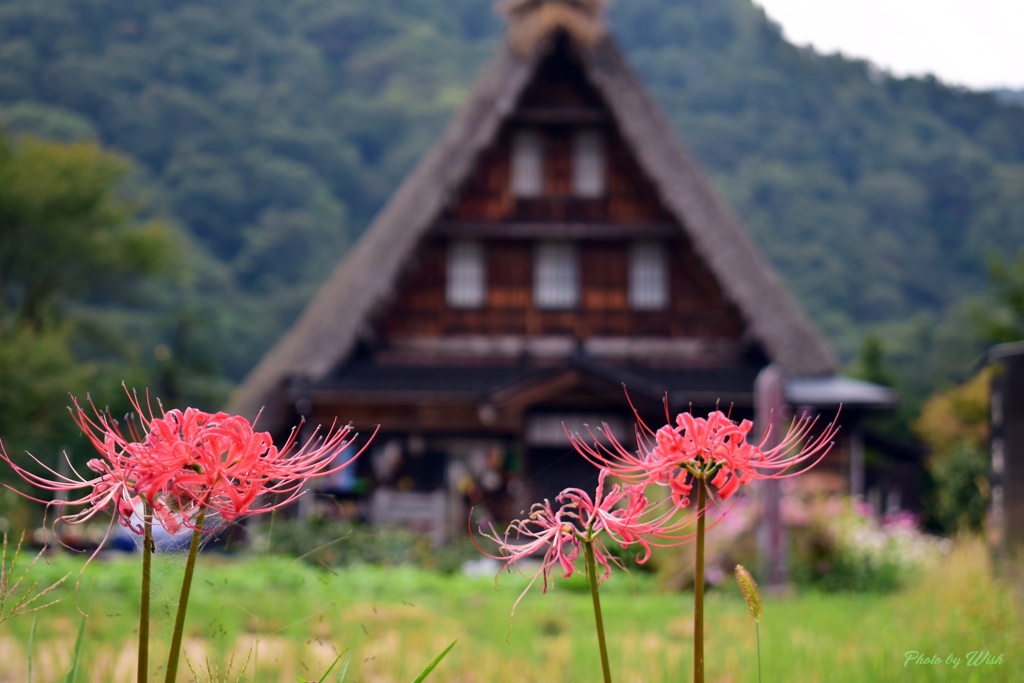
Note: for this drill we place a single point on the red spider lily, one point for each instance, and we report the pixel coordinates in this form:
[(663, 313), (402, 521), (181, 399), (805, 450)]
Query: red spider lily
[(114, 487), (182, 461), (714, 449), (192, 459), (623, 513), (111, 488), (629, 518), (547, 529)]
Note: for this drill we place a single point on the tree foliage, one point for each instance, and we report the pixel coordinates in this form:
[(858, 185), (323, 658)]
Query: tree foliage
[(954, 424), (38, 371), (64, 236), (1000, 316), (68, 244), (271, 132)]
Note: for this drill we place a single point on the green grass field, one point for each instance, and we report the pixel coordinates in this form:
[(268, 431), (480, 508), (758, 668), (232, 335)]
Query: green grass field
[(276, 619)]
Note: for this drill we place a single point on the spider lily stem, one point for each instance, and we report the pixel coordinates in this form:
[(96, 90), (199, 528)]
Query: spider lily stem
[(698, 587), (588, 547), (147, 573), (186, 587)]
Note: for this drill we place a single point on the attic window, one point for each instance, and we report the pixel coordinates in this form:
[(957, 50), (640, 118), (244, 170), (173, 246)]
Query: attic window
[(527, 163), (556, 275), (466, 286), (648, 276), (588, 168)]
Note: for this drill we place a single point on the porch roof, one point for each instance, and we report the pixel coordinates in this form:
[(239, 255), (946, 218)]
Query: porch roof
[(482, 383)]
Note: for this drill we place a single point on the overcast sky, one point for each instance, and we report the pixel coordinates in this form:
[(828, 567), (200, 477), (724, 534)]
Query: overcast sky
[(974, 43)]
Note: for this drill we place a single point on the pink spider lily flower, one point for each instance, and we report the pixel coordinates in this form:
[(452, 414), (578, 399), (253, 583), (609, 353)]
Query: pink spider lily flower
[(714, 449), (112, 488), (709, 449), (553, 531), (648, 464), (626, 515), (622, 513), (179, 462), (730, 461), (559, 533), (215, 461), (81, 498)]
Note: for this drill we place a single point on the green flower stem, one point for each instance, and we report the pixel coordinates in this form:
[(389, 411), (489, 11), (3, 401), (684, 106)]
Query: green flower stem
[(186, 587), (588, 548), (698, 587), (147, 574), (757, 635)]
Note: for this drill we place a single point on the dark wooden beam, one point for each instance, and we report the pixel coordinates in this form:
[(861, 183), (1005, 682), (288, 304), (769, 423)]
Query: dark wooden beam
[(553, 230), (567, 115)]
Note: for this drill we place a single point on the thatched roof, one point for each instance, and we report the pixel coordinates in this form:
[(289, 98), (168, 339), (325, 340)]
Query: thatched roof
[(329, 328)]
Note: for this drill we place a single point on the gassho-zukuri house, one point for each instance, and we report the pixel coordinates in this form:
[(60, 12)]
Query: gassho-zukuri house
[(557, 244)]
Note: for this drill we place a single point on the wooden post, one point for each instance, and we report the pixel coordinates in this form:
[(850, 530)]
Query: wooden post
[(769, 409)]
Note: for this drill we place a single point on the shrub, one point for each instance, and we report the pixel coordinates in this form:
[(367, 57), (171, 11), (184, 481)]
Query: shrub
[(323, 541), (844, 547)]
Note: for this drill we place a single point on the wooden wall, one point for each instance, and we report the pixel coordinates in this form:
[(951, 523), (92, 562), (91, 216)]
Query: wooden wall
[(558, 103), (697, 308), (487, 196)]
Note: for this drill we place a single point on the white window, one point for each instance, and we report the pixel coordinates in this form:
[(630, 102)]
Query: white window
[(588, 167), (648, 276), (466, 275), (528, 163), (556, 275)]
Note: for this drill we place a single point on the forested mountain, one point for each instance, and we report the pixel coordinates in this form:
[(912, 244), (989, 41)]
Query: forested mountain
[(1010, 96), (270, 132)]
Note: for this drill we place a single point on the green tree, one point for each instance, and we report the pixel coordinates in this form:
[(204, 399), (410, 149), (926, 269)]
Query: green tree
[(954, 424), (871, 362), (64, 234), (1001, 317), (67, 241)]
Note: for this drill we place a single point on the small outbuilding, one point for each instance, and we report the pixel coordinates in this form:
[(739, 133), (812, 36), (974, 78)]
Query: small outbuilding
[(1006, 519)]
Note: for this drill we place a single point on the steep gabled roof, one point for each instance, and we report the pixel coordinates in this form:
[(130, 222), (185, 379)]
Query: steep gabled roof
[(330, 327)]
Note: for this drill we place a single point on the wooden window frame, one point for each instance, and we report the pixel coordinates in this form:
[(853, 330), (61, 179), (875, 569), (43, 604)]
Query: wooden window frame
[(527, 174), (556, 276), (648, 276), (589, 166), (466, 270)]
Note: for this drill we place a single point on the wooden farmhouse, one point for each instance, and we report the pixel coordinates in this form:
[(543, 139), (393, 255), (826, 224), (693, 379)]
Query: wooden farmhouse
[(557, 244)]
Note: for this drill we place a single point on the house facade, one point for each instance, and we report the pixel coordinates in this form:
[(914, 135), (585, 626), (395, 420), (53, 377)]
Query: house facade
[(557, 248)]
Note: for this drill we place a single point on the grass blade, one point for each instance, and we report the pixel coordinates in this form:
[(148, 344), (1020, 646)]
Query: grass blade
[(341, 675), (344, 668), (437, 660), (73, 674), (31, 641)]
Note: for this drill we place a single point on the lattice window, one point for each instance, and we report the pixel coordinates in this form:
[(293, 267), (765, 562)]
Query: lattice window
[(556, 282), (588, 164), (528, 163), (648, 276), (466, 286)]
